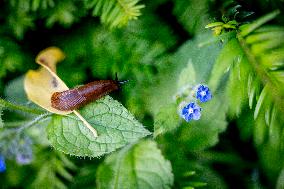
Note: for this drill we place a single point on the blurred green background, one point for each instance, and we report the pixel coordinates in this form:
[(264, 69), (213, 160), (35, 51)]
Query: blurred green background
[(238, 143)]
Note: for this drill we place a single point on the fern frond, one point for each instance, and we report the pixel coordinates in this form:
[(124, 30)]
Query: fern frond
[(254, 61), (269, 71), (115, 13), (33, 5), (42, 4), (63, 13)]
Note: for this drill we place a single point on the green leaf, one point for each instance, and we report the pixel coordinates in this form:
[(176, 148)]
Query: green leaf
[(193, 64), (115, 125), (214, 24), (52, 168), (63, 13), (193, 15), (14, 91), (12, 57), (223, 63), (42, 4), (187, 75), (280, 180), (20, 21), (139, 166), (200, 53), (248, 28), (166, 120)]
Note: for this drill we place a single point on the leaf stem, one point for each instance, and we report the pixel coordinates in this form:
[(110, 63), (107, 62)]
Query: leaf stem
[(13, 106), (34, 121), (17, 131), (14, 124)]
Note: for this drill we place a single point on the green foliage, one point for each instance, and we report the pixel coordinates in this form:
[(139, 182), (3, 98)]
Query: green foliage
[(14, 91), (136, 166), (115, 12), (255, 79), (24, 14), (164, 53), (115, 125), (53, 168), (11, 56), (191, 66), (192, 14), (64, 13), (166, 120)]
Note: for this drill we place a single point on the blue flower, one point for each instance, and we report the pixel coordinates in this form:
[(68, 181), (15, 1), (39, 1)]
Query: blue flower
[(2, 164), (24, 158), (24, 154), (203, 93), (191, 111)]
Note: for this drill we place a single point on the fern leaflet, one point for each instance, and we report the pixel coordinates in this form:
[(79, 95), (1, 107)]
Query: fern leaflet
[(115, 13)]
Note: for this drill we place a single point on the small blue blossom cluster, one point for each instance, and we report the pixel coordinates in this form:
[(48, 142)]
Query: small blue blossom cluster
[(191, 111), (24, 154), (19, 149)]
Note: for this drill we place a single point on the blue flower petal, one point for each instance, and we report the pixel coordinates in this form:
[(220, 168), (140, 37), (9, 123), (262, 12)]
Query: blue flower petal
[(24, 154), (2, 164), (196, 114), (24, 158)]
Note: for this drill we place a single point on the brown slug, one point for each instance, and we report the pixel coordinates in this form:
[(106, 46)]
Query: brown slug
[(75, 98)]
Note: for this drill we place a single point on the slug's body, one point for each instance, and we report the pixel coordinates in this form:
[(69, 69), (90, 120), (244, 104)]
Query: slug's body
[(75, 98)]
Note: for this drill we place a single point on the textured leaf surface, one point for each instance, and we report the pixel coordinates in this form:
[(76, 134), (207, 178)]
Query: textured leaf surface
[(115, 125), (139, 166)]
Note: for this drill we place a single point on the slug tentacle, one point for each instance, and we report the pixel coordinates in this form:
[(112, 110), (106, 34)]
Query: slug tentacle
[(123, 82)]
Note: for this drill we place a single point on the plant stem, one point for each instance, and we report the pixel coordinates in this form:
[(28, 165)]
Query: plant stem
[(14, 124), (17, 131), (10, 105), (34, 121)]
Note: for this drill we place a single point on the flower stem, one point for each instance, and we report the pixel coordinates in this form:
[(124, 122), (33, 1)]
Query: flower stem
[(18, 130), (34, 121), (12, 106)]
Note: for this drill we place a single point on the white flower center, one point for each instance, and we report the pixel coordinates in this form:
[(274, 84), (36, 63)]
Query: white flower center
[(190, 110), (203, 93)]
